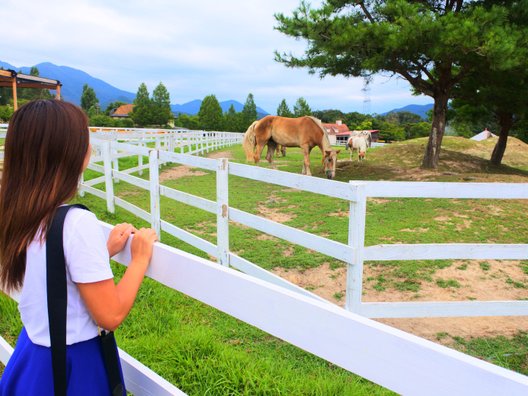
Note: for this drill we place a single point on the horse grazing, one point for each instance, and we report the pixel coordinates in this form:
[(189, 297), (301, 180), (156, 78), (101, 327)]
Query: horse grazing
[(366, 134), (358, 143), (304, 132)]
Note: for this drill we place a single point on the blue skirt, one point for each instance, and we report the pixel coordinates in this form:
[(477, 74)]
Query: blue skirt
[(29, 370)]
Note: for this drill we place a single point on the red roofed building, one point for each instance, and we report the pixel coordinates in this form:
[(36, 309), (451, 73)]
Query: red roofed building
[(342, 137), (334, 129), (122, 111)]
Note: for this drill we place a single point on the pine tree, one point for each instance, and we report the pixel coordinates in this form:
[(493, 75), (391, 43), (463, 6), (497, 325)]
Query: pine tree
[(162, 112), (142, 113), (301, 108), (210, 114), (89, 101), (232, 120), (283, 110), (249, 112), (432, 44)]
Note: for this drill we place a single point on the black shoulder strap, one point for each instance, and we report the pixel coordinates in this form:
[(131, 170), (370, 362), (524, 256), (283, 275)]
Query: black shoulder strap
[(57, 297)]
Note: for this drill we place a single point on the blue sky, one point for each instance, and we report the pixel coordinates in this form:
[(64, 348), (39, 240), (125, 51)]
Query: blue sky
[(196, 48)]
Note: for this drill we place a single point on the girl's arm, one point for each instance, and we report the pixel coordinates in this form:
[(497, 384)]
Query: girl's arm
[(109, 303)]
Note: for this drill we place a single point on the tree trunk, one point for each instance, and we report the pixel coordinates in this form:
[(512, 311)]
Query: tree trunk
[(432, 151), (505, 122)]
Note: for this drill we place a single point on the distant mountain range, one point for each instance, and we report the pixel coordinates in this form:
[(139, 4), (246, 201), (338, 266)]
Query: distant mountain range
[(73, 81), (421, 110)]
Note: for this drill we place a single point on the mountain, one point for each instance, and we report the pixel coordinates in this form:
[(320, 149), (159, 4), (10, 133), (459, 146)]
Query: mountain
[(421, 110), (73, 81), (193, 107)]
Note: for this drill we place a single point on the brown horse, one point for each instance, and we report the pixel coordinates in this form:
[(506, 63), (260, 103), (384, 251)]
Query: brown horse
[(303, 132)]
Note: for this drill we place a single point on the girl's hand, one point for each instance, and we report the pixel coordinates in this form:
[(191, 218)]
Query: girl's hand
[(141, 247), (118, 238)]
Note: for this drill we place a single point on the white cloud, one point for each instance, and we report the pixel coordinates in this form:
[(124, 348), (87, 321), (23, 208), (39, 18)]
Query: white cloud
[(195, 48)]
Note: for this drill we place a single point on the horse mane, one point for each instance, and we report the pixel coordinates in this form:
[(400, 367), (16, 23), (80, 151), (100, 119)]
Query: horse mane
[(249, 142), (326, 140)]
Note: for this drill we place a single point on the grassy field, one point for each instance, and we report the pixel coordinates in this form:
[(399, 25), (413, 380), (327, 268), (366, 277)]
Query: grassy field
[(203, 351)]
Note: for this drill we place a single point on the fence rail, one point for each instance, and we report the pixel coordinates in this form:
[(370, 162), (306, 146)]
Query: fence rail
[(399, 361), (389, 357), (354, 253)]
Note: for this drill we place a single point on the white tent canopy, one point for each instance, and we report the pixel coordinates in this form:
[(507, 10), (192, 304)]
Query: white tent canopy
[(485, 134)]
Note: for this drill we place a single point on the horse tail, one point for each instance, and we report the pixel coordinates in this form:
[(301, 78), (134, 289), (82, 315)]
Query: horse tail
[(250, 141)]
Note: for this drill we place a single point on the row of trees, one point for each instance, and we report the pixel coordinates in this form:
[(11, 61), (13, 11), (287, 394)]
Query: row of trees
[(148, 111), (211, 116), (472, 51)]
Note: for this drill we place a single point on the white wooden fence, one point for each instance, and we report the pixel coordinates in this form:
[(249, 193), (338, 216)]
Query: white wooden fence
[(397, 360), (354, 253), (389, 357)]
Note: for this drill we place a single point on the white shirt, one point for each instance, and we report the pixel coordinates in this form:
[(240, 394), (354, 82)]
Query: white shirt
[(87, 261)]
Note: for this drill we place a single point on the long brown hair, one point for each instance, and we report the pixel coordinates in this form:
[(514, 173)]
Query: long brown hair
[(45, 148)]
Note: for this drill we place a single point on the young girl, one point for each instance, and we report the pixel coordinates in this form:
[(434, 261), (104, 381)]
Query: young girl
[(46, 150)]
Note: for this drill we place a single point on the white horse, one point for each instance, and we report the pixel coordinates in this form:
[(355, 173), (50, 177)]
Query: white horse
[(366, 134), (358, 143)]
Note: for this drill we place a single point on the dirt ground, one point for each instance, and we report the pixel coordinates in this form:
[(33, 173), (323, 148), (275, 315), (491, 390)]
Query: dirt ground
[(475, 284), (178, 172)]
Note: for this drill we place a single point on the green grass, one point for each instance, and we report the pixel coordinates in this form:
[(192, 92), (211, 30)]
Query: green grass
[(446, 283), (203, 351), (511, 353)]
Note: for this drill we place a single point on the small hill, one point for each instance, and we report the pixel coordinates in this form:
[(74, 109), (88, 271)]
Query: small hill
[(461, 160)]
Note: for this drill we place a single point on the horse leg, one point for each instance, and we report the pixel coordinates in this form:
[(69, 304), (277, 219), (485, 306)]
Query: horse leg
[(258, 152), (272, 146), (306, 165), (271, 150)]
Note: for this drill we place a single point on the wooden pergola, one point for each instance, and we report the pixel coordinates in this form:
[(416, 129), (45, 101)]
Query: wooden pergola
[(10, 78)]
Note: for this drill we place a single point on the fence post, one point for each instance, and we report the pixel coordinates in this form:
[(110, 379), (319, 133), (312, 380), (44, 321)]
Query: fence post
[(109, 183), (115, 161), (140, 159), (154, 192), (356, 239), (222, 212)]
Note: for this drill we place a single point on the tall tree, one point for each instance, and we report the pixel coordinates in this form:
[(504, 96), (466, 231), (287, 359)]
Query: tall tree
[(283, 110), (210, 114), (162, 112), (329, 116), (432, 44), (233, 120), (301, 108), (249, 111), (142, 113), (489, 93), (89, 101)]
